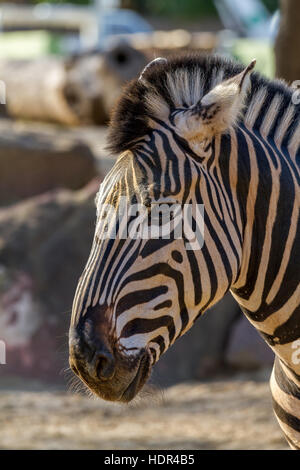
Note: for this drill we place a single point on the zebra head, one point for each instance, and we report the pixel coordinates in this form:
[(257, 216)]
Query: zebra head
[(138, 293)]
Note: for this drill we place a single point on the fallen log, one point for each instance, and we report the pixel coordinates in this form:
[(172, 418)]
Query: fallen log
[(77, 90)]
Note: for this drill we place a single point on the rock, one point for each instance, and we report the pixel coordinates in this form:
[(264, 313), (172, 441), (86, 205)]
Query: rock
[(44, 245), (247, 350), (34, 161)]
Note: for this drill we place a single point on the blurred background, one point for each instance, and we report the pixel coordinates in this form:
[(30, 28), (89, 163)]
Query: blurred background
[(62, 68)]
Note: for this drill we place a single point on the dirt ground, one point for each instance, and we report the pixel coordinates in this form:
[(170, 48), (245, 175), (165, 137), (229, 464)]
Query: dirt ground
[(227, 414)]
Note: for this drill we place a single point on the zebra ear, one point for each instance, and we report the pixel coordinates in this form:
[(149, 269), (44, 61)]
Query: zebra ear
[(217, 111), (158, 60)]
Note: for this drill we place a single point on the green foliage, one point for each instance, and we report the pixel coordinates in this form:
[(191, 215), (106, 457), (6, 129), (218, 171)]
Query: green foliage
[(189, 9), (245, 49), (177, 8), (272, 5)]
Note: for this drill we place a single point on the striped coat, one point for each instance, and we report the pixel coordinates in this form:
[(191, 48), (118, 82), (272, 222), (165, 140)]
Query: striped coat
[(197, 132)]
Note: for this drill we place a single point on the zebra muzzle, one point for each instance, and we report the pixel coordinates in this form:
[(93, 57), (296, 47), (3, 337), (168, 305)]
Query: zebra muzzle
[(107, 370)]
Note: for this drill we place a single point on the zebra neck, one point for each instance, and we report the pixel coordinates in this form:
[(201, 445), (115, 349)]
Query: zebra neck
[(271, 214)]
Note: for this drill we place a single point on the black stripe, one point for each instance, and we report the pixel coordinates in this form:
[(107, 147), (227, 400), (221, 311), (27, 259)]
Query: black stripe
[(166, 304), (224, 159), (117, 267), (172, 161), (154, 355), (195, 272), (264, 107), (290, 330), (155, 244), (132, 259), (243, 174), (161, 342), (146, 325), (285, 102), (292, 421), (215, 236), (139, 297), (163, 269), (284, 383), (297, 376), (261, 211)]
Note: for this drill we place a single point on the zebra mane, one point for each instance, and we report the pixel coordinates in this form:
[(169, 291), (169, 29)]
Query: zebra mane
[(181, 82)]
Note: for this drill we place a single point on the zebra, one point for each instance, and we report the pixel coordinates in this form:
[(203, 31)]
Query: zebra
[(195, 130)]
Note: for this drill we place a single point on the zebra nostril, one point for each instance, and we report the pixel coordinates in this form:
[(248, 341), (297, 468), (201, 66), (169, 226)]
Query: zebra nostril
[(90, 350), (105, 366)]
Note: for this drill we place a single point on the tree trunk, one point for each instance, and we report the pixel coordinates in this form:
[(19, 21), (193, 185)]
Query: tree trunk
[(287, 47)]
